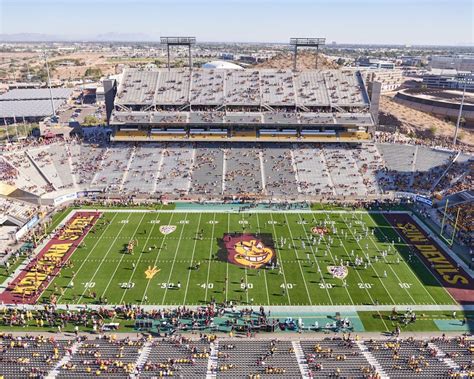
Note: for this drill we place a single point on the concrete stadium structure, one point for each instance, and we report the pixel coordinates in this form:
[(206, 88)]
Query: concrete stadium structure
[(242, 105)]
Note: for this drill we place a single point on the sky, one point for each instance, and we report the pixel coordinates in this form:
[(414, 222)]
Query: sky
[(413, 22)]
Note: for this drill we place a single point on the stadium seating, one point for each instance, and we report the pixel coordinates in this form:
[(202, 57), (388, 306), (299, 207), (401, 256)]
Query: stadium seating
[(113, 356), (335, 358), (338, 171)]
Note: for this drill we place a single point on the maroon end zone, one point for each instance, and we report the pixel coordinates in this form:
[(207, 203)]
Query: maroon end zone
[(30, 283), (455, 279)]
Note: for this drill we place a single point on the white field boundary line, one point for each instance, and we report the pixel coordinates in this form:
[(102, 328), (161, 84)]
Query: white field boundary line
[(137, 262), (192, 260), (210, 255), (301, 309), (422, 262), (36, 252), (174, 258), (104, 257), (281, 266), (120, 261), (155, 262), (244, 223), (299, 263), (360, 278), (445, 247), (350, 260), (317, 263), (70, 257), (90, 252), (236, 210), (328, 246), (402, 260), (389, 265), (227, 263), (371, 266), (264, 270)]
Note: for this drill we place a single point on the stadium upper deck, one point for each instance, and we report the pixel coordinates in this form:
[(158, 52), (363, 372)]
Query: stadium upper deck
[(161, 104), (259, 88)]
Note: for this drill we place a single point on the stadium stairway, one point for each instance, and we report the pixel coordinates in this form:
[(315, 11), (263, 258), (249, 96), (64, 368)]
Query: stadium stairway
[(40, 171), (443, 356), (143, 357), (212, 363), (331, 182), (371, 359), (302, 363), (64, 360)]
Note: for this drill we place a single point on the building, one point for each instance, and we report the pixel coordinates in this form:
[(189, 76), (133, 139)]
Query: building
[(449, 79), (31, 105), (375, 63), (454, 62), (222, 65), (390, 80)]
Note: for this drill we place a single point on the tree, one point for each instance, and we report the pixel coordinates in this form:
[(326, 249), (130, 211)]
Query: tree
[(90, 120), (93, 73)]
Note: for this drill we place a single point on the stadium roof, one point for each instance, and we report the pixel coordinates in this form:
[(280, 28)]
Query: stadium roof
[(36, 94), (28, 108), (222, 65), (252, 87)]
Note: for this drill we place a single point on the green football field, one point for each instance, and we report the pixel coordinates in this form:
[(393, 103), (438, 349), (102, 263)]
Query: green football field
[(189, 266)]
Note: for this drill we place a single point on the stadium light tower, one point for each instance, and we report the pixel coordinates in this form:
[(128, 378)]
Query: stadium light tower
[(460, 113), (45, 56), (179, 41), (306, 42)]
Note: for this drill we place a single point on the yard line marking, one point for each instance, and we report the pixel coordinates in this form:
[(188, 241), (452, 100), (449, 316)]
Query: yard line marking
[(121, 258), (281, 266), (175, 255), (372, 266), (227, 263), (210, 255), (358, 274), (390, 266), (137, 262), (299, 263), (317, 262), (246, 278), (264, 270), (156, 260), (192, 259), (103, 258), (90, 252)]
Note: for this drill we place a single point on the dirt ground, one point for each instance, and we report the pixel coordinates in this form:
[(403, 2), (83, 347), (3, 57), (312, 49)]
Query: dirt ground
[(306, 61), (421, 124)]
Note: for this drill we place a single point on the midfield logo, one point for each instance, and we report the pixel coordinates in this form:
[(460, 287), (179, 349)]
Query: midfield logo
[(247, 250)]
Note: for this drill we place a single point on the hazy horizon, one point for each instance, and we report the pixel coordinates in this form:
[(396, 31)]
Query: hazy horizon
[(382, 22)]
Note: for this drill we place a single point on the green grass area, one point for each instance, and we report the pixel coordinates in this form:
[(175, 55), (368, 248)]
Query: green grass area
[(101, 265), (381, 321), (14, 264)]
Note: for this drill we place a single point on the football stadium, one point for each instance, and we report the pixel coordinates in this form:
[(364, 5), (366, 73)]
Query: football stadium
[(240, 223)]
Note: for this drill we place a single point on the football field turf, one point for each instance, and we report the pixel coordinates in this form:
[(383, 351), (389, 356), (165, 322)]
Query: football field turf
[(192, 249)]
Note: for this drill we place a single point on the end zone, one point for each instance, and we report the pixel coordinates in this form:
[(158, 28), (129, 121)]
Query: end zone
[(30, 283), (449, 274)]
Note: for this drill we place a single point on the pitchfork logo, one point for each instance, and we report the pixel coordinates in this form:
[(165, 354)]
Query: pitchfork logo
[(338, 272), (247, 250), (167, 229)]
